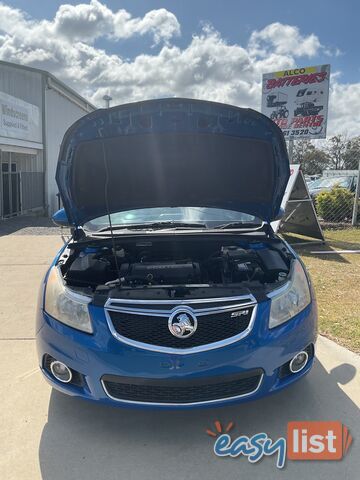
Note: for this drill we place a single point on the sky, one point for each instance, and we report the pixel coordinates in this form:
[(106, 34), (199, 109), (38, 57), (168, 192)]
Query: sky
[(215, 50)]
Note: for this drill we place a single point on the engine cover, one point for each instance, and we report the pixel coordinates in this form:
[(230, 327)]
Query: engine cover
[(161, 272)]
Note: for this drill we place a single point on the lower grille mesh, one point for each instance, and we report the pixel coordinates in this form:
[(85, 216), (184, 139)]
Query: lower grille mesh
[(177, 391)]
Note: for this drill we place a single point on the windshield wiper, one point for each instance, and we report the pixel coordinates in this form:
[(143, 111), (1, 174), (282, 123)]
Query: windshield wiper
[(155, 225), (244, 225)]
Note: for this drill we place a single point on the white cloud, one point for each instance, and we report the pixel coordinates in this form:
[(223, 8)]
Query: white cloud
[(283, 40), (87, 22), (161, 23), (84, 22), (208, 67), (344, 111)]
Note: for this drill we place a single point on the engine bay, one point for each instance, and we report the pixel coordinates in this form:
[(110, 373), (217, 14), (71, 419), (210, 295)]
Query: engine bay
[(171, 262)]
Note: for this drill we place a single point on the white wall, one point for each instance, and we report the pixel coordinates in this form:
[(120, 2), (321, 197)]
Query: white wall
[(22, 85), (60, 113), (26, 86)]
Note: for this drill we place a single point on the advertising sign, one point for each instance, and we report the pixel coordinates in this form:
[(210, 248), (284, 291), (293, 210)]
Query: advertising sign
[(297, 101), (18, 119)]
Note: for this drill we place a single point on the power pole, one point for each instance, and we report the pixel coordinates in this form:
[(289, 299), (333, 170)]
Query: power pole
[(291, 149)]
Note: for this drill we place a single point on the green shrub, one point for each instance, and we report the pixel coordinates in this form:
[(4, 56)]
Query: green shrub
[(335, 205)]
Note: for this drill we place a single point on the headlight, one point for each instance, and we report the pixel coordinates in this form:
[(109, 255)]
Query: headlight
[(66, 306), (292, 298)]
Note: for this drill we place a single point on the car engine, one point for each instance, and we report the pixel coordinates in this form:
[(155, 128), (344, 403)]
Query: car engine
[(175, 263)]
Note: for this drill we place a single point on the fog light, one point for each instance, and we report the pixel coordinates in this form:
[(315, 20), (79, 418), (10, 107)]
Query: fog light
[(60, 371), (298, 362)]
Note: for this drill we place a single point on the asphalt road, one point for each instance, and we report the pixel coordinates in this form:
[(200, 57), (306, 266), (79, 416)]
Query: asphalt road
[(47, 435)]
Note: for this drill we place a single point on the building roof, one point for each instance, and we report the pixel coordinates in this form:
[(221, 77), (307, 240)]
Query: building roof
[(54, 82)]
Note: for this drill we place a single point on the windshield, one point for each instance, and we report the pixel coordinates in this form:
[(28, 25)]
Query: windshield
[(211, 217), (330, 182)]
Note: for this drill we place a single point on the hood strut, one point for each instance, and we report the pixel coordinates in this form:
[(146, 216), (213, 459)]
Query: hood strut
[(106, 187)]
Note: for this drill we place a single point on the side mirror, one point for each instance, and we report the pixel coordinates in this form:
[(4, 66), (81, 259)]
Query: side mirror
[(280, 214), (60, 218)]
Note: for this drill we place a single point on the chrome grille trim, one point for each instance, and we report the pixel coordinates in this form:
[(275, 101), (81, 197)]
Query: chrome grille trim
[(167, 313), (174, 301), (115, 305)]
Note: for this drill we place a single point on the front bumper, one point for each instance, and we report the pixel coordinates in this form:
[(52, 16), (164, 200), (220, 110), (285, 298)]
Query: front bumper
[(100, 354)]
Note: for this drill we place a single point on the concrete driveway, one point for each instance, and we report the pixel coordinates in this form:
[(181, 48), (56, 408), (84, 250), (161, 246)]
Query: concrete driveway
[(47, 435)]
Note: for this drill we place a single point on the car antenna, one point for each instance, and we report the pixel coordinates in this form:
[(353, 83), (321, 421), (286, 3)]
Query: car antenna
[(108, 209)]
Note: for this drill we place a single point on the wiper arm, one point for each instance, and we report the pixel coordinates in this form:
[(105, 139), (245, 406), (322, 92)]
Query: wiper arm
[(144, 226), (245, 225), (173, 224)]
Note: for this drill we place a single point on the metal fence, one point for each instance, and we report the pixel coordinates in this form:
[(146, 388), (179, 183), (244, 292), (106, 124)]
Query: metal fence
[(32, 190), (338, 208)]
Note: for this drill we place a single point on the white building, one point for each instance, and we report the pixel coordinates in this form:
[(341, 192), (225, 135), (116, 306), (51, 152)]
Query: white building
[(35, 111)]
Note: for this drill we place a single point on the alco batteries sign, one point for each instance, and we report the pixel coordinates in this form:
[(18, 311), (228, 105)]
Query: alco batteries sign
[(297, 100)]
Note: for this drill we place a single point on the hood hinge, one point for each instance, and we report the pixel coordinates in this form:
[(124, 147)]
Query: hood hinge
[(78, 234), (268, 230)]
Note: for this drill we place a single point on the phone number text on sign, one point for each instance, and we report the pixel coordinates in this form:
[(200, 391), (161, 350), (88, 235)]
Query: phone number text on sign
[(301, 126)]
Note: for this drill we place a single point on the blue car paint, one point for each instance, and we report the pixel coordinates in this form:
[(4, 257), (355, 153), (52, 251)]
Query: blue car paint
[(60, 218), (97, 354)]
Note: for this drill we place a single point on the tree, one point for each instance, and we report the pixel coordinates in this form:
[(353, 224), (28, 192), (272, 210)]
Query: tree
[(339, 153), (315, 162), (352, 154), (336, 148), (312, 160), (301, 148)]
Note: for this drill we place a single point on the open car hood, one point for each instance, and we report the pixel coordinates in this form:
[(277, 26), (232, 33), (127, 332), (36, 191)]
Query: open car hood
[(172, 153)]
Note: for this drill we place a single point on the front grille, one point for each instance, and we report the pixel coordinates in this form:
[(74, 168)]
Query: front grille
[(211, 328), (143, 390)]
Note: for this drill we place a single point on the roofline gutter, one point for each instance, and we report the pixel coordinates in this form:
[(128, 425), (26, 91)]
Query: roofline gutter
[(51, 85)]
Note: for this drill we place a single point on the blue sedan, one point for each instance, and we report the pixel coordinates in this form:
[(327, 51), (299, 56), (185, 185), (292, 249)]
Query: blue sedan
[(174, 291)]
